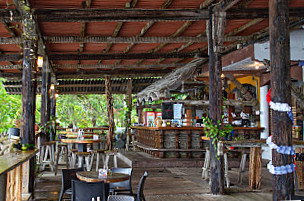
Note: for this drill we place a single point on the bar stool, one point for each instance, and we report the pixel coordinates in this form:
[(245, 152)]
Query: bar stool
[(206, 167), (47, 155), (61, 151), (242, 167), (108, 154), (80, 156), (98, 153), (132, 143)]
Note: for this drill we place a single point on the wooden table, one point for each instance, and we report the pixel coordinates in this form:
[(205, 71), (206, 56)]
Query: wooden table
[(15, 174), (82, 144), (92, 176)]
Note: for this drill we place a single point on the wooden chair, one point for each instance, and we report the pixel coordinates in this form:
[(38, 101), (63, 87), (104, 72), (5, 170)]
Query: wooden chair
[(124, 186)]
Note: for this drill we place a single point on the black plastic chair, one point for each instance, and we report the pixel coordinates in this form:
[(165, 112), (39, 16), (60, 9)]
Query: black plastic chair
[(124, 186), (67, 176), (140, 191), (121, 198), (85, 191)]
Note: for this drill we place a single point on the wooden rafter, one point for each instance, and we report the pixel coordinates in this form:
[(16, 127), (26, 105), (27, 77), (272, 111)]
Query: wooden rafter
[(125, 15), (224, 5), (135, 40), (123, 56), (142, 32), (113, 67), (203, 5)]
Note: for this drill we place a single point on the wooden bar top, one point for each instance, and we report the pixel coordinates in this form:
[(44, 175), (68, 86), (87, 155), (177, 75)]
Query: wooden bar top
[(248, 128), (12, 160), (168, 128), (84, 141), (193, 128)]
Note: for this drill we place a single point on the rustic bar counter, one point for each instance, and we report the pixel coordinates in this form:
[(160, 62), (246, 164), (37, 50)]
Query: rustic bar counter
[(14, 175), (170, 142)]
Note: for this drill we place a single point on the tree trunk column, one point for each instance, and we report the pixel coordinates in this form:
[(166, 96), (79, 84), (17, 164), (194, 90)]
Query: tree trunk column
[(28, 93), (110, 112), (215, 29), (45, 94), (129, 106), (283, 185), (53, 110)]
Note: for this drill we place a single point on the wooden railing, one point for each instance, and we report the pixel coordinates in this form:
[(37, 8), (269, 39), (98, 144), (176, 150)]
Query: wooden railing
[(170, 142), (15, 175)]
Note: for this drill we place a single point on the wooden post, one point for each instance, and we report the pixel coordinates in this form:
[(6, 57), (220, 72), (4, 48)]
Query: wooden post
[(215, 29), (110, 112), (28, 94), (283, 185), (255, 167), (139, 111), (129, 106), (45, 94), (53, 110)]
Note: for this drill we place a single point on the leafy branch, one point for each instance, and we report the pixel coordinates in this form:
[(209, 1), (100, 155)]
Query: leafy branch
[(216, 132)]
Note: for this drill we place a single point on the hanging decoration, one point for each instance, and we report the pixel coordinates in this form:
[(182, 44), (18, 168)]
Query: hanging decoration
[(281, 107), (284, 169)]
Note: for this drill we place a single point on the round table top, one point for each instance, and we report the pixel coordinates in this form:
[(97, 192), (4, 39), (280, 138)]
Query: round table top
[(85, 141), (92, 176), (75, 135)]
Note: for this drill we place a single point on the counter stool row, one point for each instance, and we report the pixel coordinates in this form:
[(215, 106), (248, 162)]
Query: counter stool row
[(48, 157)]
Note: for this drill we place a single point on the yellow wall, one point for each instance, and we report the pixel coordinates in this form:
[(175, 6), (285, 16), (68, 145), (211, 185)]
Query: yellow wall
[(247, 80)]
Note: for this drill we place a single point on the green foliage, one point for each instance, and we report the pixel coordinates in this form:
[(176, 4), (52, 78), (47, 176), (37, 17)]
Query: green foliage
[(10, 108), (84, 110), (217, 131)]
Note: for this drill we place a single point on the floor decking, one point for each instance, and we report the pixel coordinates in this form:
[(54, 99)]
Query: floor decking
[(167, 183)]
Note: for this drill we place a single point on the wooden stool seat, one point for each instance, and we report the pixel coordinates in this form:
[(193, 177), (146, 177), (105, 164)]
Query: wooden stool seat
[(108, 154), (98, 153), (206, 167), (61, 151), (47, 155), (81, 155)]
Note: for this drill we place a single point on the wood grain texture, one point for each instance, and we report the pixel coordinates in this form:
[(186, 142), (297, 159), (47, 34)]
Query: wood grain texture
[(92, 176), (255, 167)]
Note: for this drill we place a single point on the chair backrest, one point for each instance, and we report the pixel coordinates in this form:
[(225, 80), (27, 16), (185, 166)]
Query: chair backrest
[(120, 198), (67, 176), (85, 191), (125, 184), (140, 191)]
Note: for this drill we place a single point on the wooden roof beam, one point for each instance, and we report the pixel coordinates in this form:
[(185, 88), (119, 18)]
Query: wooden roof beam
[(124, 15), (113, 67), (113, 73), (224, 5), (125, 56), (117, 29), (135, 40), (119, 66), (178, 32), (142, 32)]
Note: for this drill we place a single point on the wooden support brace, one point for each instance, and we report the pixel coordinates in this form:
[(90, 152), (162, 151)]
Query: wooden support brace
[(255, 167)]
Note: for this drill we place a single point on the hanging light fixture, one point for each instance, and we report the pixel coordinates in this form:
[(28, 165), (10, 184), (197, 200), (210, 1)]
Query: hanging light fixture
[(40, 61), (52, 86), (56, 95)]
